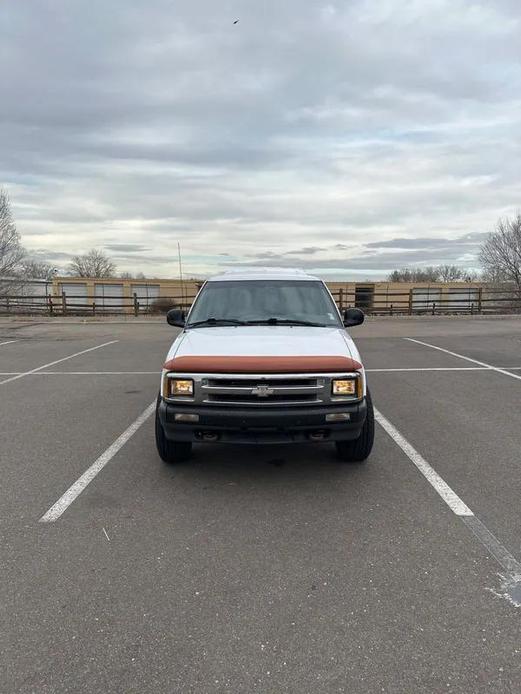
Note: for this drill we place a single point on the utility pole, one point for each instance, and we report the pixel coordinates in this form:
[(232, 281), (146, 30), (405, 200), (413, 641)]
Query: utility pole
[(181, 273)]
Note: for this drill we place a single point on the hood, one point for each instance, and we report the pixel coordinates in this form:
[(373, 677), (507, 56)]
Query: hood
[(295, 346)]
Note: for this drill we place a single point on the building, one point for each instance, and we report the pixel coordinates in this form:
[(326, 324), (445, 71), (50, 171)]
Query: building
[(373, 297), (89, 296)]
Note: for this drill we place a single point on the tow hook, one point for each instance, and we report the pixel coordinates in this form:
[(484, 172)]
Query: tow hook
[(319, 435), (207, 436)]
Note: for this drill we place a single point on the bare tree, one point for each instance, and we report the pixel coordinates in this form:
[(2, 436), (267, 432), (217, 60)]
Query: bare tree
[(11, 251), (450, 273), (500, 254), (93, 264), (439, 273), (37, 270), (131, 276), (426, 274)]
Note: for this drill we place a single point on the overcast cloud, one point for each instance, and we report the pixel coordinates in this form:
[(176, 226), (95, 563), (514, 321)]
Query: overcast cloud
[(349, 138)]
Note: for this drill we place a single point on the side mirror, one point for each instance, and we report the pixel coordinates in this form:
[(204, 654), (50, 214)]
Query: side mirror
[(353, 316), (176, 317)]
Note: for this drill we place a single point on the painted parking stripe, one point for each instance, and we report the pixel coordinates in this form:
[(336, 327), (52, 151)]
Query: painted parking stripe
[(9, 342), (462, 356), (431, 368), (85, 373), (157, 373), (99, 373), (97, 466), (58, 361), (448, 495), (512, 567)]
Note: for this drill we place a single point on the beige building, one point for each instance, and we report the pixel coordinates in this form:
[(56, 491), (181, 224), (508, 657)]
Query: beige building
[(133, 295), (376, 297), (407, 297)]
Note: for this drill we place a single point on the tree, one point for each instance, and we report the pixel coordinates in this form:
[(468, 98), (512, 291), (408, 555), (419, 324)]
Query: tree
[(426, 274), (450, 273), (129, 276), (93, 264), (440, 273), (470, 276), (11, 250), (37, 270), (500, 254)]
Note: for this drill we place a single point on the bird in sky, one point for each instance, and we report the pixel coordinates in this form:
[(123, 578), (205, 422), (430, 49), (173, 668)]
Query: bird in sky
[(236, 21)]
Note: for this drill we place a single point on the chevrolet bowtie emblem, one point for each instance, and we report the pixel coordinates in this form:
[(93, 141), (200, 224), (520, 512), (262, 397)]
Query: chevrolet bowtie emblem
[(262, 391)]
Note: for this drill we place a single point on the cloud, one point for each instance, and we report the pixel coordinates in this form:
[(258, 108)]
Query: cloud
[(308, 130), (377, 258), (126, 247), (471, 240), (307, 250)]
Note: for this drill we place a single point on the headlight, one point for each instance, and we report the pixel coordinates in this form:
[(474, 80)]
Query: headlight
[(175, 387), (348, 387)]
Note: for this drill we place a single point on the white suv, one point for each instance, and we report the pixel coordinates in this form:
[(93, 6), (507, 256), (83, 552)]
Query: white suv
[(264, 357)]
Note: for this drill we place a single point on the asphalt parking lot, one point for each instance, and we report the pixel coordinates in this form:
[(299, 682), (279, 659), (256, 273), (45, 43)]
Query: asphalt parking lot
[(260, 569)]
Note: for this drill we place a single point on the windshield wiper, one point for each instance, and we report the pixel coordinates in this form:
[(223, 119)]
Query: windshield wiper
[(285, 321), (216, 321)]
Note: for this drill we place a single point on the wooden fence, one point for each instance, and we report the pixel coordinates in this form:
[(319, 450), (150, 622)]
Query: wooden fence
[(473, 300), (393, 302)]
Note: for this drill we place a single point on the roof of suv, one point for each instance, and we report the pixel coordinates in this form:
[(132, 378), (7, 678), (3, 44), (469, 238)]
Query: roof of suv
[(264, 273)]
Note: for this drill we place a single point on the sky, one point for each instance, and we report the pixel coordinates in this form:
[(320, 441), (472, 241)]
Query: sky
[(348, 138)]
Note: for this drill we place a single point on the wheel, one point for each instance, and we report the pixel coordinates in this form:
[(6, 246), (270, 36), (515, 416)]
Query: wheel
[(170, 451), (358, 450)]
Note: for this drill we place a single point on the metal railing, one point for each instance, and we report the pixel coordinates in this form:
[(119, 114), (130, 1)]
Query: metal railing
[(479, 300)]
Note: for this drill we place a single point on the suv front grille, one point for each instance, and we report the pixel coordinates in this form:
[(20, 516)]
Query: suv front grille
[(255, 400), (263, 391), (248, 382)]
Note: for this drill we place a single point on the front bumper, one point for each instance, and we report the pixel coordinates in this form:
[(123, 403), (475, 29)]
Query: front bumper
[(254, 425)]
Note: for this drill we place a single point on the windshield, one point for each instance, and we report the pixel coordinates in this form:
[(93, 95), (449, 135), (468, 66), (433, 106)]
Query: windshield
[(269, 301)]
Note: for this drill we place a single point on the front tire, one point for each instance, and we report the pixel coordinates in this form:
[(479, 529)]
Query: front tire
[(358, 450), (170, 451)]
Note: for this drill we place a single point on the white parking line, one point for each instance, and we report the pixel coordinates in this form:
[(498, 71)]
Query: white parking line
[(81, 483), (461, 356), (432, 368), (491, 543), (90, 373), (156, 373), (98, 373), (58, 361), (448, 495), (9, 342)]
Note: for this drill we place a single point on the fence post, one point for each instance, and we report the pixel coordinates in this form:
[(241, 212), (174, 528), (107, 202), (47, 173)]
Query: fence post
[(341, 298), (480, 296), (391, 310), (433, 308), (472, 309), (410, 301), (93, 308), (64, 303), (136, 305)]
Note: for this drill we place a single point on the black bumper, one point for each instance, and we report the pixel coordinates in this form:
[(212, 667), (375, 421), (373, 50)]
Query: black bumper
[(257, 425)]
